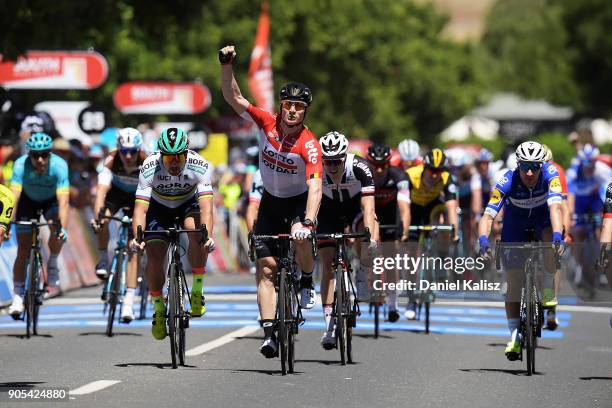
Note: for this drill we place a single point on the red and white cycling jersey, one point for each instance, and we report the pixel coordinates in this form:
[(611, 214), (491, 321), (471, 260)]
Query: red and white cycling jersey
[(285, 162)]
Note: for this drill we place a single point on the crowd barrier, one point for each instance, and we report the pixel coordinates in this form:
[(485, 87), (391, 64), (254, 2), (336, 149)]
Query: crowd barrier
[(78, 258)]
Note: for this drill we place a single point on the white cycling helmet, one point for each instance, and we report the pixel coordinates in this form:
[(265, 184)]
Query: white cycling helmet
[(409, 150), (334, 145), (530, 152), (129, 138)]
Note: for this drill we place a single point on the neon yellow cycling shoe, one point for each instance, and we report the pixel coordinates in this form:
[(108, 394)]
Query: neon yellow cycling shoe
[(198, 305), (159, 326), (549, 300), (513, 350)]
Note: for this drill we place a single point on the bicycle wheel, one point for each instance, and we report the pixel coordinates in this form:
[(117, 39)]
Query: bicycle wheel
[(173, 314), (350, 315), (143, 288), (340, 314), (29, 297), (529, 328), (282, 319), (182, 316), (376, 319), (113, 294), (292, 308), (37, 293), (427, 303)]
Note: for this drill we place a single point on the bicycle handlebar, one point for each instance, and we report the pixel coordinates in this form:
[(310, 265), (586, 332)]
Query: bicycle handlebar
[(526, 246), (170, 231), (449, 228), (340, 236)]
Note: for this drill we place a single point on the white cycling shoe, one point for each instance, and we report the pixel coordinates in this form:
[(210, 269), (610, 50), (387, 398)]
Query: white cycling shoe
[(127, 313), (16, 308)]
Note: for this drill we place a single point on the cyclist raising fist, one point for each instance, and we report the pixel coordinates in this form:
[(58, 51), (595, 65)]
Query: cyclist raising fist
[(290, 165)]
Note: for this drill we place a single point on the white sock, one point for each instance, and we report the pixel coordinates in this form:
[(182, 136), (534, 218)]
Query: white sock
[(103, 254), (327, 313), (52, 261), (129, 296), (18, 288), (513, 326)]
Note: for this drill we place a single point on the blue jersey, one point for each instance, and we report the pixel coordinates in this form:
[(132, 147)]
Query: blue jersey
[(589, 190), (41, 187), (522, 202)]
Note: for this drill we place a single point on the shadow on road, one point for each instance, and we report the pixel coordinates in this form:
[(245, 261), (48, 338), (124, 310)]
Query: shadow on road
[(584, 378), (161, 366), (540, 347), (23, 336), (21, 384), (371, 336), (268, 372), (497, 370), (114, 334)]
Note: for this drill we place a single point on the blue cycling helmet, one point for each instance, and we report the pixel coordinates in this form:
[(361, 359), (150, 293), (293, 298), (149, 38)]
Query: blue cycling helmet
[(588, 153), (484, 155), (39, 142)]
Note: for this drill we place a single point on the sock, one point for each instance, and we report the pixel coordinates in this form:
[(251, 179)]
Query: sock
[(327, 312), (392, 300), (268, 326), (158, 301), (103, 255), (52, 261), (306, 280), (513, 325), (129, 296), (547, 281), (18, 288), (198, 279)]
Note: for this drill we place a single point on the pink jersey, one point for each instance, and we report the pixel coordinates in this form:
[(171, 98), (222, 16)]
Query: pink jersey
[(285, 162)]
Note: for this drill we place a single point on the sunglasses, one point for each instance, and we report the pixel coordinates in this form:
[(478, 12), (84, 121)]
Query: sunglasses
[(130, 151), (299, 106), (36, 155), (533, 166), (333, 162), (436, 171), (174, 158)]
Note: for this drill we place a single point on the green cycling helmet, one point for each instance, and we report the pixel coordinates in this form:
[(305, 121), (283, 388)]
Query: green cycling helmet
[(173, 141), (39, 141)]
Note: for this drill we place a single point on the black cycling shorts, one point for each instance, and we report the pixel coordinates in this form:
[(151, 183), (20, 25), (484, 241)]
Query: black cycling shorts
[(27, 209), (421, 215), (275, 216), (160, 217), (117, 199), (334, 216)]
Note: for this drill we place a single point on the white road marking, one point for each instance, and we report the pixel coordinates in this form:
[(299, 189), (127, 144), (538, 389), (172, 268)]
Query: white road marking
[(93, 387), (221, 341), (96, 300), (564, 308)]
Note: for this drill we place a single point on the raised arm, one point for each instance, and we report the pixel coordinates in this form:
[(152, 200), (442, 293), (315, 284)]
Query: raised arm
[(229, 86)]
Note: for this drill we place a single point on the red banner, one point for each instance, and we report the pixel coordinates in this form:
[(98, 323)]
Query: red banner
[(162, 98), (55, 70), (260, 69)]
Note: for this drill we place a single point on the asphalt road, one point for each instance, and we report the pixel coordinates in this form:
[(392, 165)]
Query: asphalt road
[(460, 364)]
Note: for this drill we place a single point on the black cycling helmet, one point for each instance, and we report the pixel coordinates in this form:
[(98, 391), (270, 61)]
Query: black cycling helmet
[(435, 159), (296, 91), (379, 153)]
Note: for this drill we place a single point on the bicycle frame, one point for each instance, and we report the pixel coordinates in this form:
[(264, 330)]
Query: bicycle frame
[(33, 282)]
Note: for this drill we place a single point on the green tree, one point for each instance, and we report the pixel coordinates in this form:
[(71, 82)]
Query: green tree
[(378, 69), (527, 45)]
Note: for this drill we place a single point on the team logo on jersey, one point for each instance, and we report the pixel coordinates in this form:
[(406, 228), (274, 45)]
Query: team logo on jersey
[(552, 169), (555, 185), (496, 197)]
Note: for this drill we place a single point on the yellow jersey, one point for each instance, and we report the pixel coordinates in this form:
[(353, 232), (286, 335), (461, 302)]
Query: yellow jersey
[(7, 202), (421, 195)]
